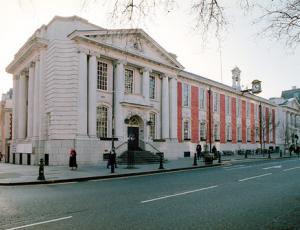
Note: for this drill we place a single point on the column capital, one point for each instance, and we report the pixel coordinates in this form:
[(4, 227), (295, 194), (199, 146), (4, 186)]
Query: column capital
[(146, 69), (83, 50), (120, 61), (94, 53), (16, 77), (32, 64)]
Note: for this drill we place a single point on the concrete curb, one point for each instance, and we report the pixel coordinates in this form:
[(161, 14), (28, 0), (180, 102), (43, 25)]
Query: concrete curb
[(111, 176)]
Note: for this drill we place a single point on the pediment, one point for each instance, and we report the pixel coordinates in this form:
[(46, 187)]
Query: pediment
[(134, 41), (293, 103)]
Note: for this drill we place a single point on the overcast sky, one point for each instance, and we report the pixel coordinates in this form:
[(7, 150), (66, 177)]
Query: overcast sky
[(271, 62)]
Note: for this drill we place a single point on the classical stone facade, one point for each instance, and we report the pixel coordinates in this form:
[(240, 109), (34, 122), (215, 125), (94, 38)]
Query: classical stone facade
[(6, 125), (287, 122), (75, 81)]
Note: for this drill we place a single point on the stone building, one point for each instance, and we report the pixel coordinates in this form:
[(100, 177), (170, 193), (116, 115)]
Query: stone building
[(6, 125), (74, 81), (287, 122)]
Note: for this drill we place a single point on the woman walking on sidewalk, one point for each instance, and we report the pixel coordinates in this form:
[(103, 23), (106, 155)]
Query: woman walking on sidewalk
[(72, 159)]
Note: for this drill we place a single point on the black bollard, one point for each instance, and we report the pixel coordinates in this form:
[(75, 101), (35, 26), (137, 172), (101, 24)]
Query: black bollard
[(269, 154), (195, 160), (41, 170), (113, 162), (246, 156), (161, 166), (280, 152), (219, 157)]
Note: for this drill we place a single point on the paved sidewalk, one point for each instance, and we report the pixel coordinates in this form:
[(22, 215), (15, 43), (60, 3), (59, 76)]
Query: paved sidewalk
[(11, 174)]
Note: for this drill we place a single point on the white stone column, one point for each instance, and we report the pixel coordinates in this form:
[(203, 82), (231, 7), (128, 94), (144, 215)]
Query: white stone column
[(173, 109), (119, 97), (92, 99), (165, 107), (42, 101), (22, 107), (15, 108), (36, 117), (146, 72), (30, 101), (82, 105)]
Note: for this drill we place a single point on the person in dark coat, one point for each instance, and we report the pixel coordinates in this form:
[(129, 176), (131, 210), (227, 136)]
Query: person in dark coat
[(198, 150), (109, 160), (214, 151), (72, 159)]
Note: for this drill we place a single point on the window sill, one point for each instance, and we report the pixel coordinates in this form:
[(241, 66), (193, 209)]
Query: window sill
[(108, 139), (159, 140)]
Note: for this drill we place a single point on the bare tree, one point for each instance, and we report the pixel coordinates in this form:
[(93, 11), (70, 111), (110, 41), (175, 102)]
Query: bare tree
[(280, 18), (283, 21)]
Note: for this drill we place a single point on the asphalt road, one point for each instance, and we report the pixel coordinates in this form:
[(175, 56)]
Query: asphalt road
[(257, 195)]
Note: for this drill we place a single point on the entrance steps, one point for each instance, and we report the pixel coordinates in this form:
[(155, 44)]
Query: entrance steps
[(139, 157)]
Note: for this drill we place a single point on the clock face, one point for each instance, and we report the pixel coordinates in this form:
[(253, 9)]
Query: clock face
[(256, 87)]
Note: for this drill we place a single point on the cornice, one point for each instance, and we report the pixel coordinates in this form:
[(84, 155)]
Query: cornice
[(35, 43), (79, 36), (218, 85)]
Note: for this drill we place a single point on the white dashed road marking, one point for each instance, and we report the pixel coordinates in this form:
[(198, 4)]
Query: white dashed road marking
[(179, 194), (39, 223), (250, 178)]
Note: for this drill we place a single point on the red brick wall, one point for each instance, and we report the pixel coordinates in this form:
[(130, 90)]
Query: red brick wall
[(222, 119), (208, 133), (233, 120), (179, 111), (252, 123), (273, 125), (267, 127), (244, 130), (195, 114)]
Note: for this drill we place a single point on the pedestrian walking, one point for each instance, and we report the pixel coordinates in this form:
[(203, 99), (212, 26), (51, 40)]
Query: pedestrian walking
[(109, 160), (198, 150), (72, 159), (214, 151)]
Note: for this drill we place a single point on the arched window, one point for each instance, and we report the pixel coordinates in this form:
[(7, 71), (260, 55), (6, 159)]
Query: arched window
[(101, 121), (152, 133)]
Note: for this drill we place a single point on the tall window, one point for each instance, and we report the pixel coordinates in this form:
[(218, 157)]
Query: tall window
[(202, 130), (238, 107), (239, 132), (152, 126), (227, 105), (202, 98), (101, 75), (257, 134), (128, 81), (256, 111), (216, 132), (186, 130), (152, 87), (216, 101), (228, 132), (248, 134), (101, 124), (248, 109), (186, 94)]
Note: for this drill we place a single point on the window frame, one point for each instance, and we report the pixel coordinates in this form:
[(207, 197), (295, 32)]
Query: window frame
[(105, 78), (126, 70), (100, 126)]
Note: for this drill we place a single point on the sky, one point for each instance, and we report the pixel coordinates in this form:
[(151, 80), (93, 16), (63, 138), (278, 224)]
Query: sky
[(269, 61)]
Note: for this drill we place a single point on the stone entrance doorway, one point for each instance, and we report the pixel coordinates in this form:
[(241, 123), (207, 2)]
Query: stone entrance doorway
[(134, 130)]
